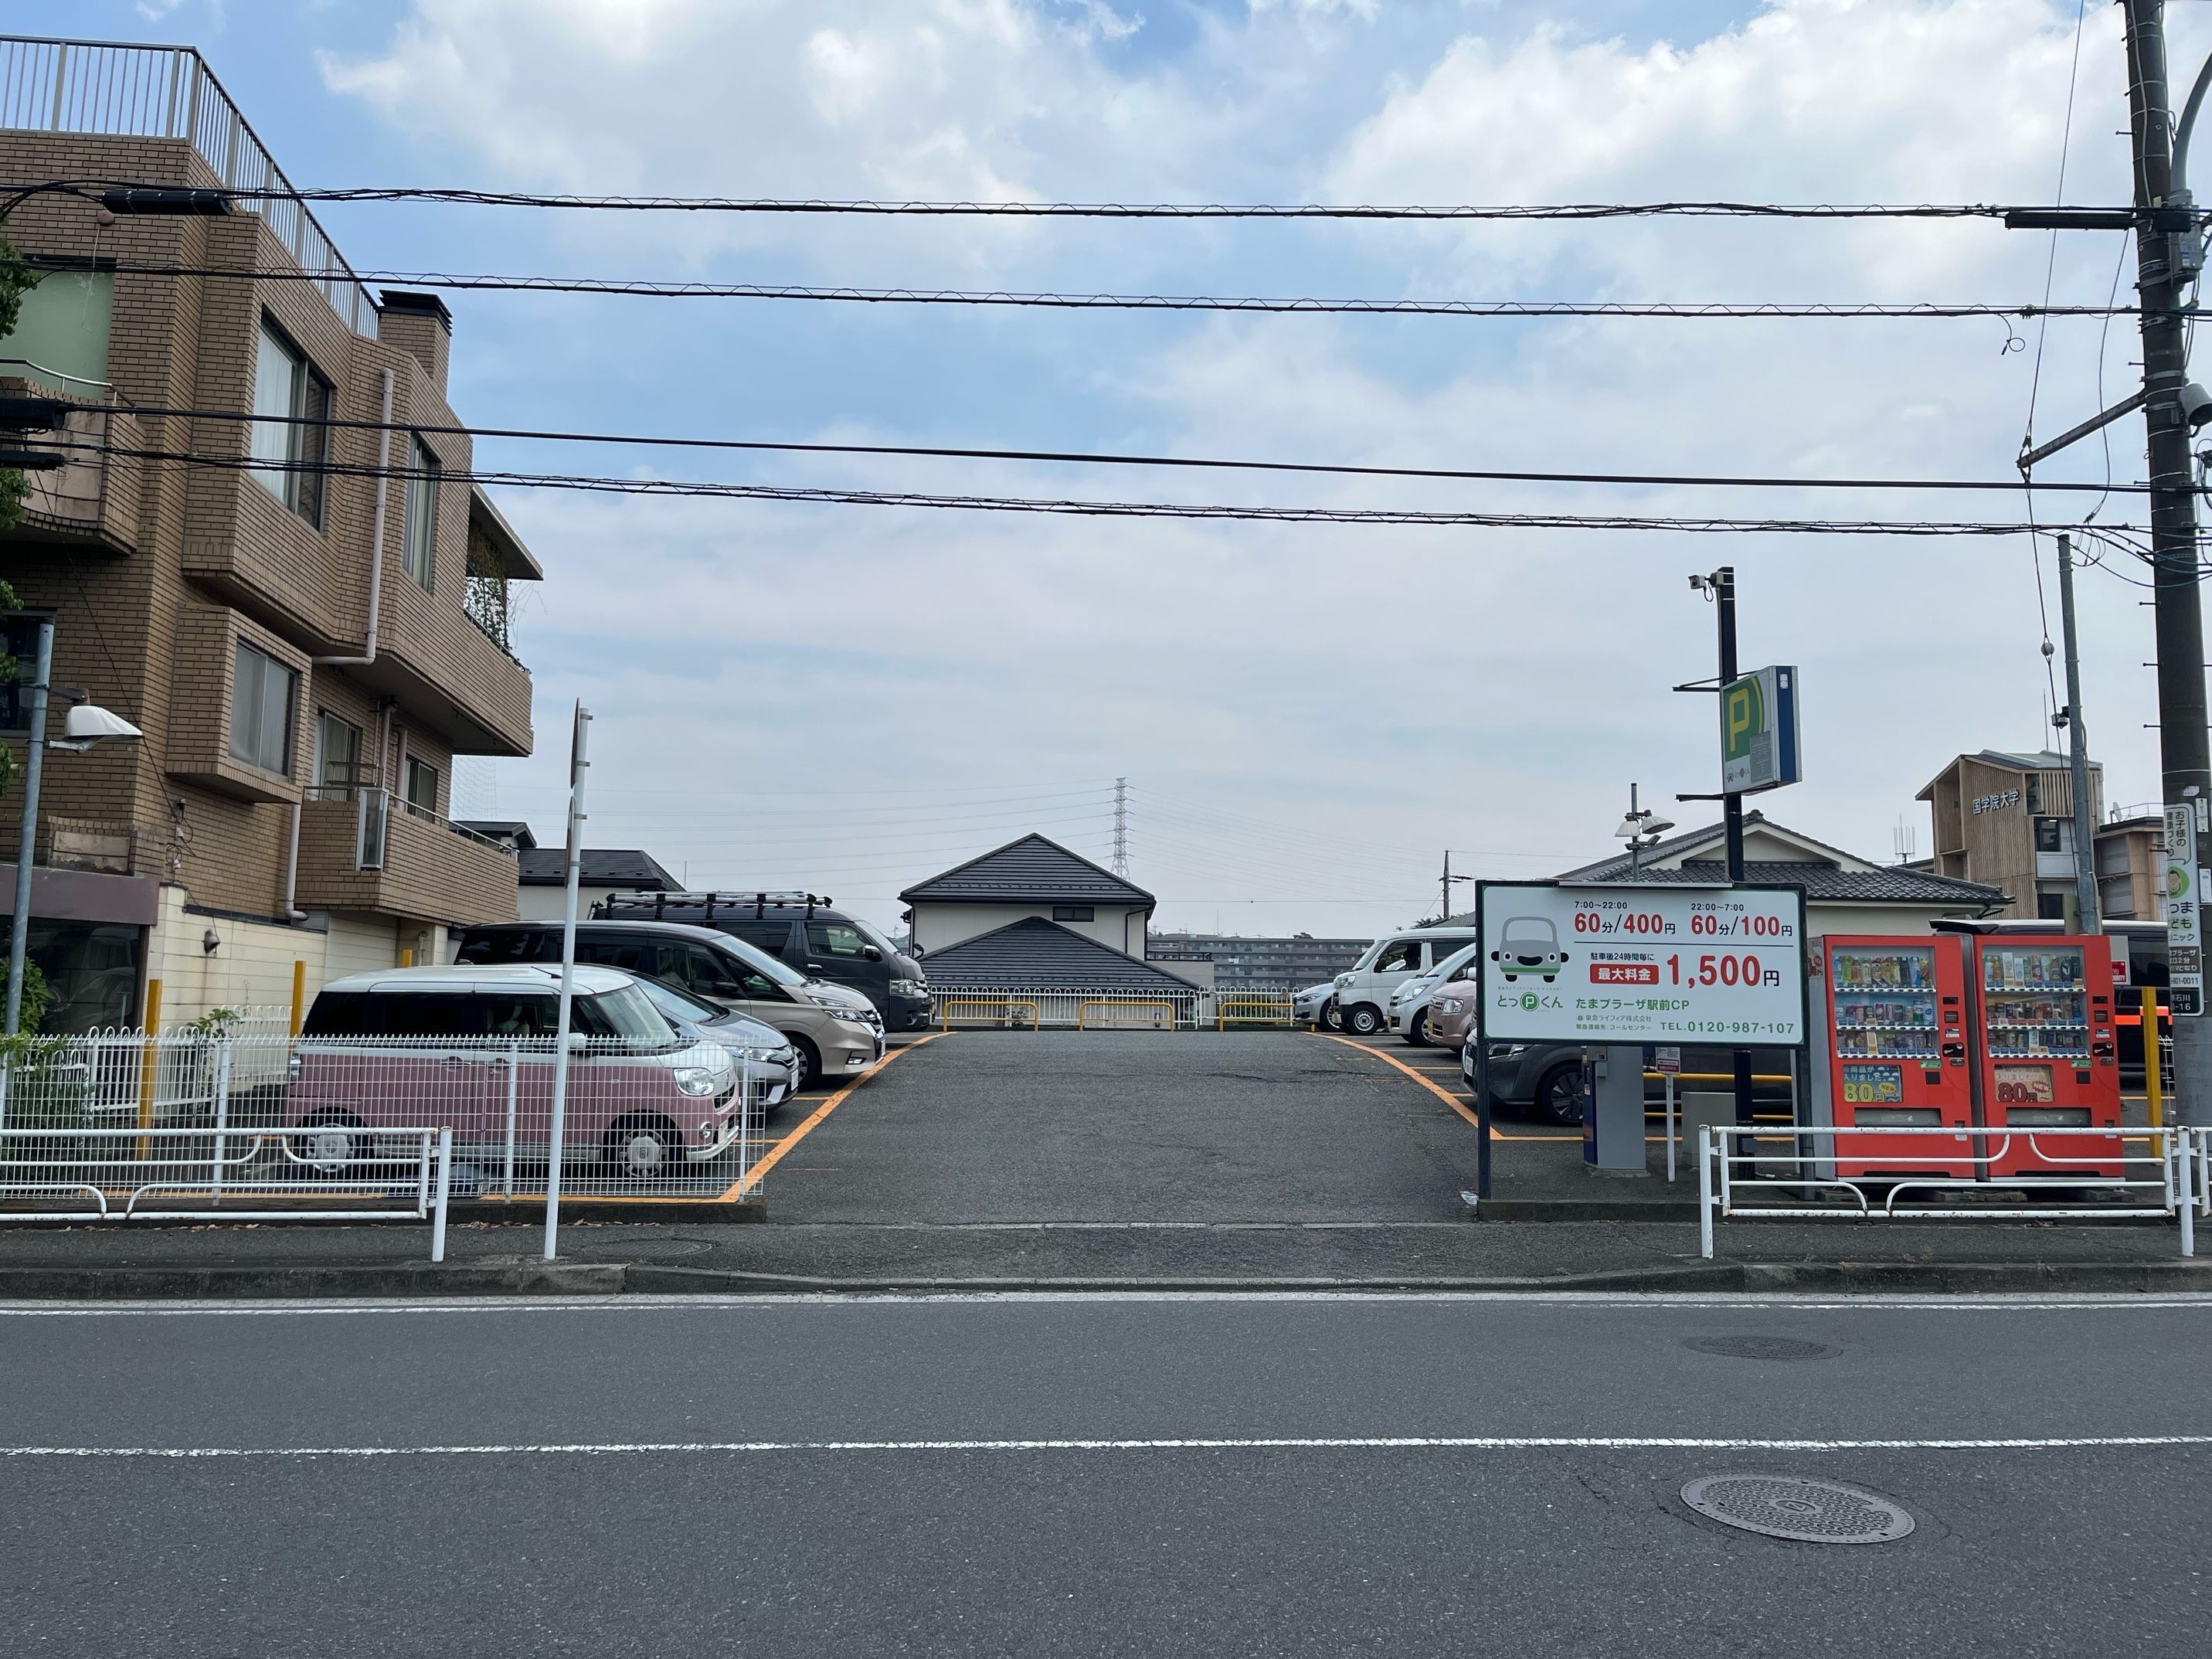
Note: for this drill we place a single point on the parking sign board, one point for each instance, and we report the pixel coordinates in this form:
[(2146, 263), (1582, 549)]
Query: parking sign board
[(1723, 966)]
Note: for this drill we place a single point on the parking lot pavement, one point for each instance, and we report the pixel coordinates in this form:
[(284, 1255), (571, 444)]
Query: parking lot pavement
[(1279, 1476), (1131, 1127)]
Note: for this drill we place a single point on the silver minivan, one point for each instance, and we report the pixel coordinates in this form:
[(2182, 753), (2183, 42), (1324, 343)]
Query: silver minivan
[(1363, 990)]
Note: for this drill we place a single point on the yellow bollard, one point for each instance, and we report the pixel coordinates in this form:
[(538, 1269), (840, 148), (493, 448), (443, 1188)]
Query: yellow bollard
[(299, 994), (407, 958), (147, 1065), (2151, 1059)]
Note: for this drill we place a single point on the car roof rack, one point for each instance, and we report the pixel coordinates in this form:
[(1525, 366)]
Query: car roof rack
[(729, 904)]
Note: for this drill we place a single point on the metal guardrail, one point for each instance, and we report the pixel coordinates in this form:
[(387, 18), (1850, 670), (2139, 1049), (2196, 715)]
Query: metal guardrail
[(115, 89), (1005, 1009), (1251, 1010), (2168, 1180), (223, 1173), (1064, 1008), (1155, 1011)]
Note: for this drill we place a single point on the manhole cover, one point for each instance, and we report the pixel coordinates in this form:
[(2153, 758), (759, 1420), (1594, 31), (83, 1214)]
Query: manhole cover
[(1760, 1347), (1789, 1506)]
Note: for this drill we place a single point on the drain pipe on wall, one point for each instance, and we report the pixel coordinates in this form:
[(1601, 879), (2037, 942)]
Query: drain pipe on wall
[(368, 643)]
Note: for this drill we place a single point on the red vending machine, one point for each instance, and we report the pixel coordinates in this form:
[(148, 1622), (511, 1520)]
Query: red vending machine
[(2047, 1052), (1897, 1013)]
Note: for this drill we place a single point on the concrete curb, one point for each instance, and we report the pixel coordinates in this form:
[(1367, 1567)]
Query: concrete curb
[(242, 1283)]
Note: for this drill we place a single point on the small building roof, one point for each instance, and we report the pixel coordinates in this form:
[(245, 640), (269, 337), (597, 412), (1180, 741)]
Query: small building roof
[(599, 867), (508, 832), (1031, 869), (517, 563), (1036, 955)]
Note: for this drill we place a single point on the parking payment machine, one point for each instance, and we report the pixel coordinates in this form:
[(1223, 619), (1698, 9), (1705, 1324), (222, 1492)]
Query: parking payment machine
[(1898, 1012), (2047, 1052)]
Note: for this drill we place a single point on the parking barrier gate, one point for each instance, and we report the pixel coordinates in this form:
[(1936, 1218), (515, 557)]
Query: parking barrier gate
[(1004, 1016), (1253, 1010)]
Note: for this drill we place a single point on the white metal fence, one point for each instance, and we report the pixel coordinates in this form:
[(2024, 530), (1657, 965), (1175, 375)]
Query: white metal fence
[(1747, 1172), (1102, 1009), (80, 1174), (169, 92), (641, 1120)]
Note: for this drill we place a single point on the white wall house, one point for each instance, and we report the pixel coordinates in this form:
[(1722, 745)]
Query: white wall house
[(1031, 877)]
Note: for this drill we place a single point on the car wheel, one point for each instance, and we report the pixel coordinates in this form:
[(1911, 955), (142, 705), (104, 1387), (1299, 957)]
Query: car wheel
[(1332, 1018), (644, 1149), (1417, 1029), (1365, 1020), (330, 1143), (809, 1070), (1560, 1095)]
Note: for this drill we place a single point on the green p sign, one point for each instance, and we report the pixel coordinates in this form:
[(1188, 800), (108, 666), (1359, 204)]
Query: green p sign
[(1759, 731)]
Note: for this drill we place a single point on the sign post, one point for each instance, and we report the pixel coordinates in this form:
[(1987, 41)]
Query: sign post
[(2184, 922), (1637, 964)]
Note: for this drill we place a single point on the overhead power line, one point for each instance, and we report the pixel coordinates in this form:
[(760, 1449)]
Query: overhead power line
[(1073, 508), (656, 289), (940, 451), (765, 205)]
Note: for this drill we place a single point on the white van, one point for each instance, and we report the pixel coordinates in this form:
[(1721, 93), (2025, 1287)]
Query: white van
[(1363, 990)]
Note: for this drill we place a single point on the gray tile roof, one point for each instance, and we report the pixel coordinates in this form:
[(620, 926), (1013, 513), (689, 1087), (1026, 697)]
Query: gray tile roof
[(601, 866), (1030, 870), (1823, 882), (1036, 955)]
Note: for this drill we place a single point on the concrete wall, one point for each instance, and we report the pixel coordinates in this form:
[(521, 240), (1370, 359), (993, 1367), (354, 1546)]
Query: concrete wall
[(250, 967), (937, 926)]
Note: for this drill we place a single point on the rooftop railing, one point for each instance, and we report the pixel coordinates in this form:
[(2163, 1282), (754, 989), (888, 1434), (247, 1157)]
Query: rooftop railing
[(169, 92)]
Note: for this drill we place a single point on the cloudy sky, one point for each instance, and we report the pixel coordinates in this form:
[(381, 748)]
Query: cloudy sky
[(850, 698)]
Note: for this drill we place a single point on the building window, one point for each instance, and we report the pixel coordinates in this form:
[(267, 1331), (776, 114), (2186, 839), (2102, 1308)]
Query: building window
[(287, 390), (422, 787), (2117, 897), (1074, 913), (421, 513), (60, 339), (261, 710), (337, 755), (2050, 835), (2050, 907)]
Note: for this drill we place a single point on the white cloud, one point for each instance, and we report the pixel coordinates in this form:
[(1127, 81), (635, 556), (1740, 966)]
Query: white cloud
[(1401, 690)]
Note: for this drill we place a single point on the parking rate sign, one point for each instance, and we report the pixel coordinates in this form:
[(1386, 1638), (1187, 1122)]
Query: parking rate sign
[(1723, 966)]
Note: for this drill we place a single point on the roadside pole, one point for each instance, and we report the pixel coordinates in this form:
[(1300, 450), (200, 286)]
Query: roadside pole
[(1732, 807), (2077, 752), (2165, 238), (18, 929), (578, 765)]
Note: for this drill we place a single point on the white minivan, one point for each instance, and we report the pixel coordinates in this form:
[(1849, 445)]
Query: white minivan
[(1363, 990)]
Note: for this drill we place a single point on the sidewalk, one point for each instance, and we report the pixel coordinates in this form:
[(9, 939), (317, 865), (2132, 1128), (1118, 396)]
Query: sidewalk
[(488, 1258)]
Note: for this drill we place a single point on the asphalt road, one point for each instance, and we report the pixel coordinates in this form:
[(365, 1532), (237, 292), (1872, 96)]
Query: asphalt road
[(1062, 1126), (865, 1477)]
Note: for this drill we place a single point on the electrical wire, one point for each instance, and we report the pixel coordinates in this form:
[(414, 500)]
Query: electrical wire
[(647, 288), (1568, 211), (703, 490), (940, 451)]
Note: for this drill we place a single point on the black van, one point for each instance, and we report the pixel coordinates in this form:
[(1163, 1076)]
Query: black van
[(805, 933)]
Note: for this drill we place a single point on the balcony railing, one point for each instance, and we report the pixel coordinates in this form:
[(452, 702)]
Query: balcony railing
[(169, 92), (92, 497)]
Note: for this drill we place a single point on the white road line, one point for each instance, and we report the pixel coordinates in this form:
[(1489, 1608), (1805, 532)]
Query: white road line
[(1315, 1442), (1736, 1301)]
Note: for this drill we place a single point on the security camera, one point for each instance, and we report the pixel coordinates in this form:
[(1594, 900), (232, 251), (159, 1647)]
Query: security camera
[(2196, 405)]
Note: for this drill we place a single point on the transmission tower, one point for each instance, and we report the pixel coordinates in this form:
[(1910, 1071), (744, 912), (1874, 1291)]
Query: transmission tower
[(1121, 827)]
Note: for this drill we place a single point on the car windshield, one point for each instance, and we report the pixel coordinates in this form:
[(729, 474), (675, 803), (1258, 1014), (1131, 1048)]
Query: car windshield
[(761, 962), (624, 1012), (676, 1003), (872, 936)]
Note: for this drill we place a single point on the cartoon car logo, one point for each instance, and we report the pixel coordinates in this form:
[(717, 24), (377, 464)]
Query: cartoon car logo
[(1529, 944)]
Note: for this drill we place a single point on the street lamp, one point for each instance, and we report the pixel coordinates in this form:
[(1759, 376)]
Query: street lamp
[(1641, 829), (84, 726)]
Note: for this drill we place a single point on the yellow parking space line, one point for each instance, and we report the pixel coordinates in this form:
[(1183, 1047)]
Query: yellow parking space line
[(1428, 1083), (751, 1178)]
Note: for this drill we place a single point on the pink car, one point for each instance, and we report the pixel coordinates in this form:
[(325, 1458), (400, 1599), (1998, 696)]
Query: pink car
[(471, 1049)]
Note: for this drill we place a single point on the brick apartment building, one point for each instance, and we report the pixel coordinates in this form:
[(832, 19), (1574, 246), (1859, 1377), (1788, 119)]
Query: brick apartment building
[(306, 624)]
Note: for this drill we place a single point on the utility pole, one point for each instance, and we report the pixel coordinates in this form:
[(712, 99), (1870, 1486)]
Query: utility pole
[(1731, 804), (1121, 827), (1444, 914), (2167, 259), (2077, 751)]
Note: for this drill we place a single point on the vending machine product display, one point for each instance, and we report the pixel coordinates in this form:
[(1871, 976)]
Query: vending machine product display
[(2047, 1053), (1898, 1010)]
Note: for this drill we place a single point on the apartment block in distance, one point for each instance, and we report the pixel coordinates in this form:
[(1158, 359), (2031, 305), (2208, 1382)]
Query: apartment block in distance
[(2007, 819), (308, 621)]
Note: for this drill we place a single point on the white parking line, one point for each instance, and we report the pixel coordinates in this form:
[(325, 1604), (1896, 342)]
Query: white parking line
[(1304, 1442), (1739, 1302)]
